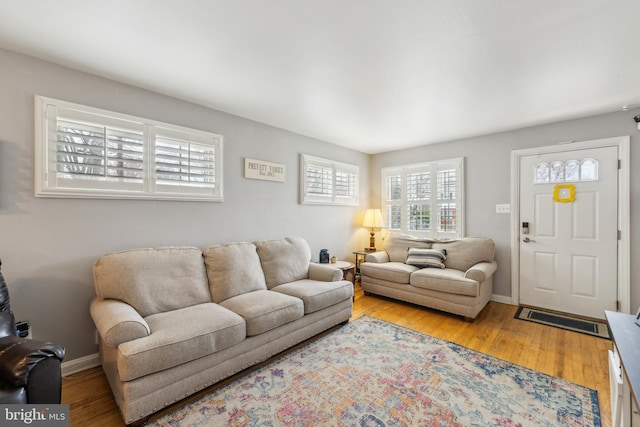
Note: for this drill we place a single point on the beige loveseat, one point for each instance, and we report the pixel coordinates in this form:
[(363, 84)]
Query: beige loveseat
[(173, 321), (455, 276)]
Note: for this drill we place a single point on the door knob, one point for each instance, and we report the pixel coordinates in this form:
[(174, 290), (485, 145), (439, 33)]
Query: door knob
[(527, 240)]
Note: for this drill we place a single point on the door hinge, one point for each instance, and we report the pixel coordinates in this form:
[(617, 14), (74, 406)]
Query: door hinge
[(619, 164), (618, 305), (619, 234)]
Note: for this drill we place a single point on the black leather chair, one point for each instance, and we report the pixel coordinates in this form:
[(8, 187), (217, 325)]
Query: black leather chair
[(29, 369)]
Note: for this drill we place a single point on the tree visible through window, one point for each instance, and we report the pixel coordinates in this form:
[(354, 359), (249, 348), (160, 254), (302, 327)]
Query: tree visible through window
[(425, 198)]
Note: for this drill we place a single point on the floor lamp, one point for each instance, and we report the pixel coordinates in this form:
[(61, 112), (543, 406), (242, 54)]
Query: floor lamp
[(373, 221)]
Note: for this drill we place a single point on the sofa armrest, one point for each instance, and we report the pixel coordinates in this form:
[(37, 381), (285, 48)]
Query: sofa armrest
[(481, 271), (324, 272), (379, 256), (20, 356), (117, 321)]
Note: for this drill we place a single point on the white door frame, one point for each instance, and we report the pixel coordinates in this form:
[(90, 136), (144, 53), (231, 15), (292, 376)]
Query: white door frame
[(624, 220)]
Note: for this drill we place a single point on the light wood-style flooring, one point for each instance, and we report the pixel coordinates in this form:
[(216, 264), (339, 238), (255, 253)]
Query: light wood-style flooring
[(578, 358)]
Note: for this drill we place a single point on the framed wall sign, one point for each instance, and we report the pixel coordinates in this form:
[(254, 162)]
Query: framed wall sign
[(267, 171)]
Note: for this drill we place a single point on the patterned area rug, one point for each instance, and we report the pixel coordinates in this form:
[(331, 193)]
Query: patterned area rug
[(373, 373)]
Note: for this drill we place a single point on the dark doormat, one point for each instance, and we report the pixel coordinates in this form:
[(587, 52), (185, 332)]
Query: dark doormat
[(564, 321)]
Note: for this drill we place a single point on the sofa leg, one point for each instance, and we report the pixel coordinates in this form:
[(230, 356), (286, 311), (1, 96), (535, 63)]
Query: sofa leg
[(468, 319)]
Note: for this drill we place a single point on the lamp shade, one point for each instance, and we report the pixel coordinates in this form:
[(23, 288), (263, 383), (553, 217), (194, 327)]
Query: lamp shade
[(373, 219)]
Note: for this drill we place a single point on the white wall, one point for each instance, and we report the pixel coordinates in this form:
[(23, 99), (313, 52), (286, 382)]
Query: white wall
[(488, 179), (48, 246)]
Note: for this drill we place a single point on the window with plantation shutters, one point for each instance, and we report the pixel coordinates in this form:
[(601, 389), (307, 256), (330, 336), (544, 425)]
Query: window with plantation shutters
[(183, 161), (328, 182), (425, 199), (92, 153)]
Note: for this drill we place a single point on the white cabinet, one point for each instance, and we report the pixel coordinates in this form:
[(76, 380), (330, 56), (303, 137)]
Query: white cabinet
[(624, 369), (620, 393)]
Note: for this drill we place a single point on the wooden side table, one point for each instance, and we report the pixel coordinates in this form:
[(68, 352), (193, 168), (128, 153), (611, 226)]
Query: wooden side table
[(359, 260), (348, 270)]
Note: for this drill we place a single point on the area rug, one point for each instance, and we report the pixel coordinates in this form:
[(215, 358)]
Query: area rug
[(373, 373), (568, 322)]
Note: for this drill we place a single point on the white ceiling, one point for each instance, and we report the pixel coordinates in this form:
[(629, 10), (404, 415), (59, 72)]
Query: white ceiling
[(372, 75)]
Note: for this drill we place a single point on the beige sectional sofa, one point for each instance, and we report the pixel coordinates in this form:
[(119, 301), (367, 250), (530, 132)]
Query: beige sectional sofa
[(455, 276), (173, 321)]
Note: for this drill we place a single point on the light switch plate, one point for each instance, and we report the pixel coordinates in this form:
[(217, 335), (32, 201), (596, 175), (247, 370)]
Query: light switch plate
[(504, 208)]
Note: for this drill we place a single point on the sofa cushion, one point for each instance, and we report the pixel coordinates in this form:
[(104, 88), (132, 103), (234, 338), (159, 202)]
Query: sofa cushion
[(433, 258), (449, 280), (463, 253), (317, 295), (233, 269), (284, 260), (178, 337), (265, 310), (397, 272), (153, 280), (397, 245)]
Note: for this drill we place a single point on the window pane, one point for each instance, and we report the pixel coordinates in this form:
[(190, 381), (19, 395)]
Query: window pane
[(319, 180), (447, 184), (419, 216), (557, 172), (447, 217), (542, 173), (346, 184), (394, 188), (589, 170), (81, 151), (180, 162), (418, 186), (394, 217), (572, 171)]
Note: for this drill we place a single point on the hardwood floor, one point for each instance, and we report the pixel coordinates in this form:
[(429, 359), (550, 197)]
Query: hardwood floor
[(578, 358)]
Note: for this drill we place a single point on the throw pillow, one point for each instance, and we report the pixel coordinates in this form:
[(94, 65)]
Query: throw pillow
[(420, 257), (397, 245), (466, 252)]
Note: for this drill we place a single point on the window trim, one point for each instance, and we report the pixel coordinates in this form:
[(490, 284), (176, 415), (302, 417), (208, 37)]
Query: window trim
[(434, 166), (332, 198), (47, 180)]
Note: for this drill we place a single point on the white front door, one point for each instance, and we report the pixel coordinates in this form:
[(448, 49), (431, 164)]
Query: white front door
[(568, 252)]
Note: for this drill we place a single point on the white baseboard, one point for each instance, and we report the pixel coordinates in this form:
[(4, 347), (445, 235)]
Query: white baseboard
[(80, 364), (502, 299)]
